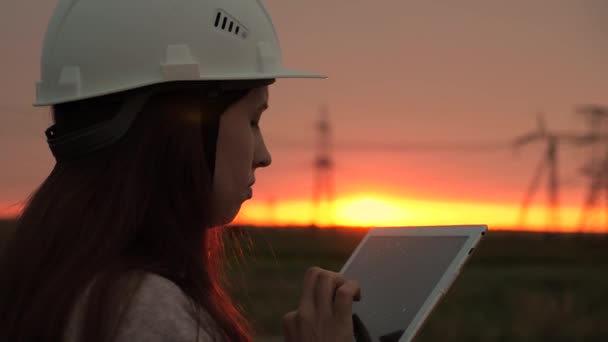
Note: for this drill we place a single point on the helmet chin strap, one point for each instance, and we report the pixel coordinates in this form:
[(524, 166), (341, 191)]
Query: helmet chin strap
[(82, 142)]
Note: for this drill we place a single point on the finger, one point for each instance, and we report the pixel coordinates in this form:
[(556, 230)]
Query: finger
[(357, 297), (327, 283), (342, 281), (307, 301), (343, 305), (290, 326)]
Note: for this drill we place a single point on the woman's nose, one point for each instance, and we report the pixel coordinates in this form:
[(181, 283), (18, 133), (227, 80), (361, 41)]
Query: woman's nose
[(262, 156)]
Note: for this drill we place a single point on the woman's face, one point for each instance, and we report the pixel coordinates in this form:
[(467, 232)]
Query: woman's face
[(240, 151)]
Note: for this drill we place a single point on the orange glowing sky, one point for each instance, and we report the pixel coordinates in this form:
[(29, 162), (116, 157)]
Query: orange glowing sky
[(403, 71)]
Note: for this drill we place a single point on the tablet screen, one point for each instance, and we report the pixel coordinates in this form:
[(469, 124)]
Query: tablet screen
[(396, 275)]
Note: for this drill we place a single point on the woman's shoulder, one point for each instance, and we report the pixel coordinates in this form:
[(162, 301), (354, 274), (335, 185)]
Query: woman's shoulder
[(159, 311), (157, 292)]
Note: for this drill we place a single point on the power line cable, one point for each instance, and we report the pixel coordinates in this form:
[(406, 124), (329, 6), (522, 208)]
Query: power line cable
[(409, 146)]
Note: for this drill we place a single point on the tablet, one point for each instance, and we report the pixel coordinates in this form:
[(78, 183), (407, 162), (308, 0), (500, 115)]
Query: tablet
[(403, 272)]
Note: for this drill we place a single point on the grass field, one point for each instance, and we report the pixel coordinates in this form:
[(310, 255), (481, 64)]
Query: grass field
[(516, 287)]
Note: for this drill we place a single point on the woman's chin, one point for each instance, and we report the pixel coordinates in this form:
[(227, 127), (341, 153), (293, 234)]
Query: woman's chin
[(227, 218)]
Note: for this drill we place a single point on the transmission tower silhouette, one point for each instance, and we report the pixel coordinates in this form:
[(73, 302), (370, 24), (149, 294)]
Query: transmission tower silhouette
[(548, 166), (323, 187), (597, 167)]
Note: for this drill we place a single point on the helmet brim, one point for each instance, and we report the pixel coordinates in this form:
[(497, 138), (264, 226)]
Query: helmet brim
[(291, 73), (274, 74)]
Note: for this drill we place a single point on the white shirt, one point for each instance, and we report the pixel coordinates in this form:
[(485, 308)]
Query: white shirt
[(158, 312)]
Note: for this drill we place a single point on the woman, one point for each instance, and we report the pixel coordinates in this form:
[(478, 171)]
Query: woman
[(156, 107)]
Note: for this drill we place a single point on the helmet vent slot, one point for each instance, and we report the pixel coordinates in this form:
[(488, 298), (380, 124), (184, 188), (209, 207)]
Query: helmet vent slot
[(217, 18), (227, 23)]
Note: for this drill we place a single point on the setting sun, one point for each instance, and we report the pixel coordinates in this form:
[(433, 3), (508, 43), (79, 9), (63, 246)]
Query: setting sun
[(365, 210), (370, 210)]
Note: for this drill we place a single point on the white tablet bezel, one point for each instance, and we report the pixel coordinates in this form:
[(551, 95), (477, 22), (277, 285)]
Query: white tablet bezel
[(473, 232)]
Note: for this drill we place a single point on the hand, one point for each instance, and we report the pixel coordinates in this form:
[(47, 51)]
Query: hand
[(325, 310)]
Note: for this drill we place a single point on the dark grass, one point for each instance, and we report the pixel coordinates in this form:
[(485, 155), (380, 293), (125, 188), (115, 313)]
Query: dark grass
[(516, 287)]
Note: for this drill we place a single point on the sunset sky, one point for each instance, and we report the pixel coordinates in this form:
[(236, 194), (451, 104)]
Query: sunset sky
[(410, 73)]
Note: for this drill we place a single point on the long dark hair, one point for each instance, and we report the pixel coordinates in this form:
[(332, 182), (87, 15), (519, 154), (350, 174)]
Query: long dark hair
[(140, 205)]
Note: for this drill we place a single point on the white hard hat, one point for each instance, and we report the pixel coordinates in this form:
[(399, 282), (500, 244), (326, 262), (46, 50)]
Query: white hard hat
[(93, 48)]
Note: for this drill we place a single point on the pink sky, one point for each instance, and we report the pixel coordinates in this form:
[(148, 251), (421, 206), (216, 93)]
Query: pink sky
[(399, 71)]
